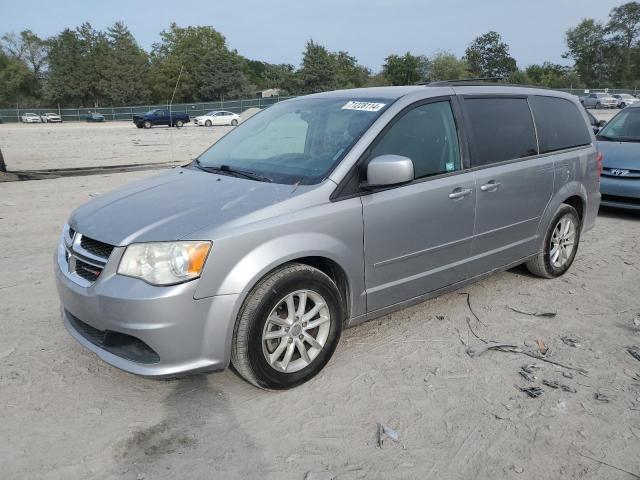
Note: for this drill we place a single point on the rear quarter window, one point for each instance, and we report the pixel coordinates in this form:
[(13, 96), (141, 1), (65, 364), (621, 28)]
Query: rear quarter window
[(559, 124), (502, 129)]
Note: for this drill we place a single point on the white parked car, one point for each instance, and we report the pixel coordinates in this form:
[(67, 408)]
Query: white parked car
[(31, 118), (599, 100), (51, 118), (625, 99), (217, 117)]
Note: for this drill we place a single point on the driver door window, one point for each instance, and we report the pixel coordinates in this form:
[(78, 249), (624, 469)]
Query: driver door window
[(427, 135)]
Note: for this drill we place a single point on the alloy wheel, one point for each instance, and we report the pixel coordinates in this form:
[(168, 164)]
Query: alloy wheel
[(296, 331), (562, 241)]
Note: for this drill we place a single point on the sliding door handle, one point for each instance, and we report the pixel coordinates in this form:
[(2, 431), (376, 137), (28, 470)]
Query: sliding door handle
[(460, 193)]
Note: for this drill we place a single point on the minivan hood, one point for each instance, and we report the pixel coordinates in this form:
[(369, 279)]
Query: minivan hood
[(624, 155), (174, 204)]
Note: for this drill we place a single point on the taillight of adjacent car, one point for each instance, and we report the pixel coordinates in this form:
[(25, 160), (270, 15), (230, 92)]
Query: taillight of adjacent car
[(599, 158)]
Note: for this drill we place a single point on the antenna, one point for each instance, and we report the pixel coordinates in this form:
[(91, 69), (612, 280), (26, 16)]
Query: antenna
[(171, 116)]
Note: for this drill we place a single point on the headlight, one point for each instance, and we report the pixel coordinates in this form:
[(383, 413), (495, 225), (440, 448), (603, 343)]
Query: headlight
[(164, 263)]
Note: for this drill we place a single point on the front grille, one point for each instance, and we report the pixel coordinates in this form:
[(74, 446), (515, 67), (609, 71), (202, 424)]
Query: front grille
[(617, 199), (87, 271), (120, 344), (95, 247)]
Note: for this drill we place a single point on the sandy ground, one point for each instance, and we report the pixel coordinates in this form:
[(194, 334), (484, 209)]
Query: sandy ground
[(81, 144), (64, 414)]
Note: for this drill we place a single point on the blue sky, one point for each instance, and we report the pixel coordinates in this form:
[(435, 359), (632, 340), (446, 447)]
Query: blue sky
[(276, 30)]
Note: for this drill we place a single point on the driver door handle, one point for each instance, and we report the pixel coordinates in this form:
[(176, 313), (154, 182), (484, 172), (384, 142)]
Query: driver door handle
[(492, 186), (459, 193)]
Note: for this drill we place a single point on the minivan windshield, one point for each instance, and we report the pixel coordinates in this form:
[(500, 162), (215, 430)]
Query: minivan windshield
[(293, 142), (624, 127)]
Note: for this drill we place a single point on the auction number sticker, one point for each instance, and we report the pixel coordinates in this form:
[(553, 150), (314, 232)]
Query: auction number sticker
[(363, 106)]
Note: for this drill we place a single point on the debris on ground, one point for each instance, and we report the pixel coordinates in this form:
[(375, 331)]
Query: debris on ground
[(571, 342), (634, 352), (535, 313), (568, 388), (601, 397), (384, 431), (634, 475), (542, 348), (567, 374), (528, 372), (533, 392), (326, 475), (551, 383)]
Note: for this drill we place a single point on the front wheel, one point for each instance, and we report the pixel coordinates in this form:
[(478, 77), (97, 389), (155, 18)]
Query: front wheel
[(560, 244), (207, 123), (598, 105), (288, 328)]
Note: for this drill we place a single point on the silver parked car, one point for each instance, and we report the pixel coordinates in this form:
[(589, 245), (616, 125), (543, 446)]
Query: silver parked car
[(625, 99), (320, 213), (31, 118), (599, 100), (619, 142)]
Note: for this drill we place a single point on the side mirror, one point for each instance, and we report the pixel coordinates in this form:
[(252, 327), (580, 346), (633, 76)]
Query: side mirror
[(602, 123), (388, 170)]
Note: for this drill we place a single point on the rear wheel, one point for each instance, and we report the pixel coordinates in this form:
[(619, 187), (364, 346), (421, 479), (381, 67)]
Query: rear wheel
[(234, 122), (179, 123), (146, 124), (288, 328), (560, 245)]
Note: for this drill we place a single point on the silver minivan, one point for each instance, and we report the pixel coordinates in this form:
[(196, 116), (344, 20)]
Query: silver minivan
[(320, 213)]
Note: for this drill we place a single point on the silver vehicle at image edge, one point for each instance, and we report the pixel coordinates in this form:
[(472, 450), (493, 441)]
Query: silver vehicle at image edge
[(322, 212)]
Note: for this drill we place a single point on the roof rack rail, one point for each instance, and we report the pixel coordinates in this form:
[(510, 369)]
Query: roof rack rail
[(482, 80)]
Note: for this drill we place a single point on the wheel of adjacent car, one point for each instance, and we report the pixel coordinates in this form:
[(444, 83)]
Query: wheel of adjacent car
[(207, 123), (146, 124), (234, 122), (288, 327), (598, 105), (179, 123), (560, 244)]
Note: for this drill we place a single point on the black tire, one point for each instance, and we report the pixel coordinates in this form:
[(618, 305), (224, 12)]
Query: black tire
[(234, 122), (179, 123), (541, 265), (147, 124), (598, 105), (139, 125), (208, 123), (247, 355)]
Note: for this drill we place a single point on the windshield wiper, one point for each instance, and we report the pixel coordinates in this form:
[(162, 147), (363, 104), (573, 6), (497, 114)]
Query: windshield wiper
[(227, 170)]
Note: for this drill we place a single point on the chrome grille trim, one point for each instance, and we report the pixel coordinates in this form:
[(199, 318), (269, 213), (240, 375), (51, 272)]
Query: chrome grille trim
[(75, 252)]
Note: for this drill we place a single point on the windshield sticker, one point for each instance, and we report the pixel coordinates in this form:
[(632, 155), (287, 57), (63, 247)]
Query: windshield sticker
[(363, 106)]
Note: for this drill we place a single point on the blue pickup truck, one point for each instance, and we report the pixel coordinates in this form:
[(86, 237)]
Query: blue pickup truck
[(160, 117)]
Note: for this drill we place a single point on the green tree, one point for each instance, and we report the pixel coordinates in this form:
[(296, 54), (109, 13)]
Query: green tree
[(221, 75), (318, 70), (181, 47), (488, 56), (405, 70), (624, 28), (126, 68), (64, 82), (348, 73), (16, 81), (586, 47), (446, 66), (553, 75)]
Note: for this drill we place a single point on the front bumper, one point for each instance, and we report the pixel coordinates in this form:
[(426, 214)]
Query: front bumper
[(141, 320), (620, 192)]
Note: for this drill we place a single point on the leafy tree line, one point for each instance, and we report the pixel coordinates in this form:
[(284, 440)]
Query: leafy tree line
[(87, 67)]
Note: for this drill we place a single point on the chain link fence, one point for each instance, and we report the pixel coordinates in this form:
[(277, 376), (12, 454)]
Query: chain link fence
[(126, 113), (195, 109)]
